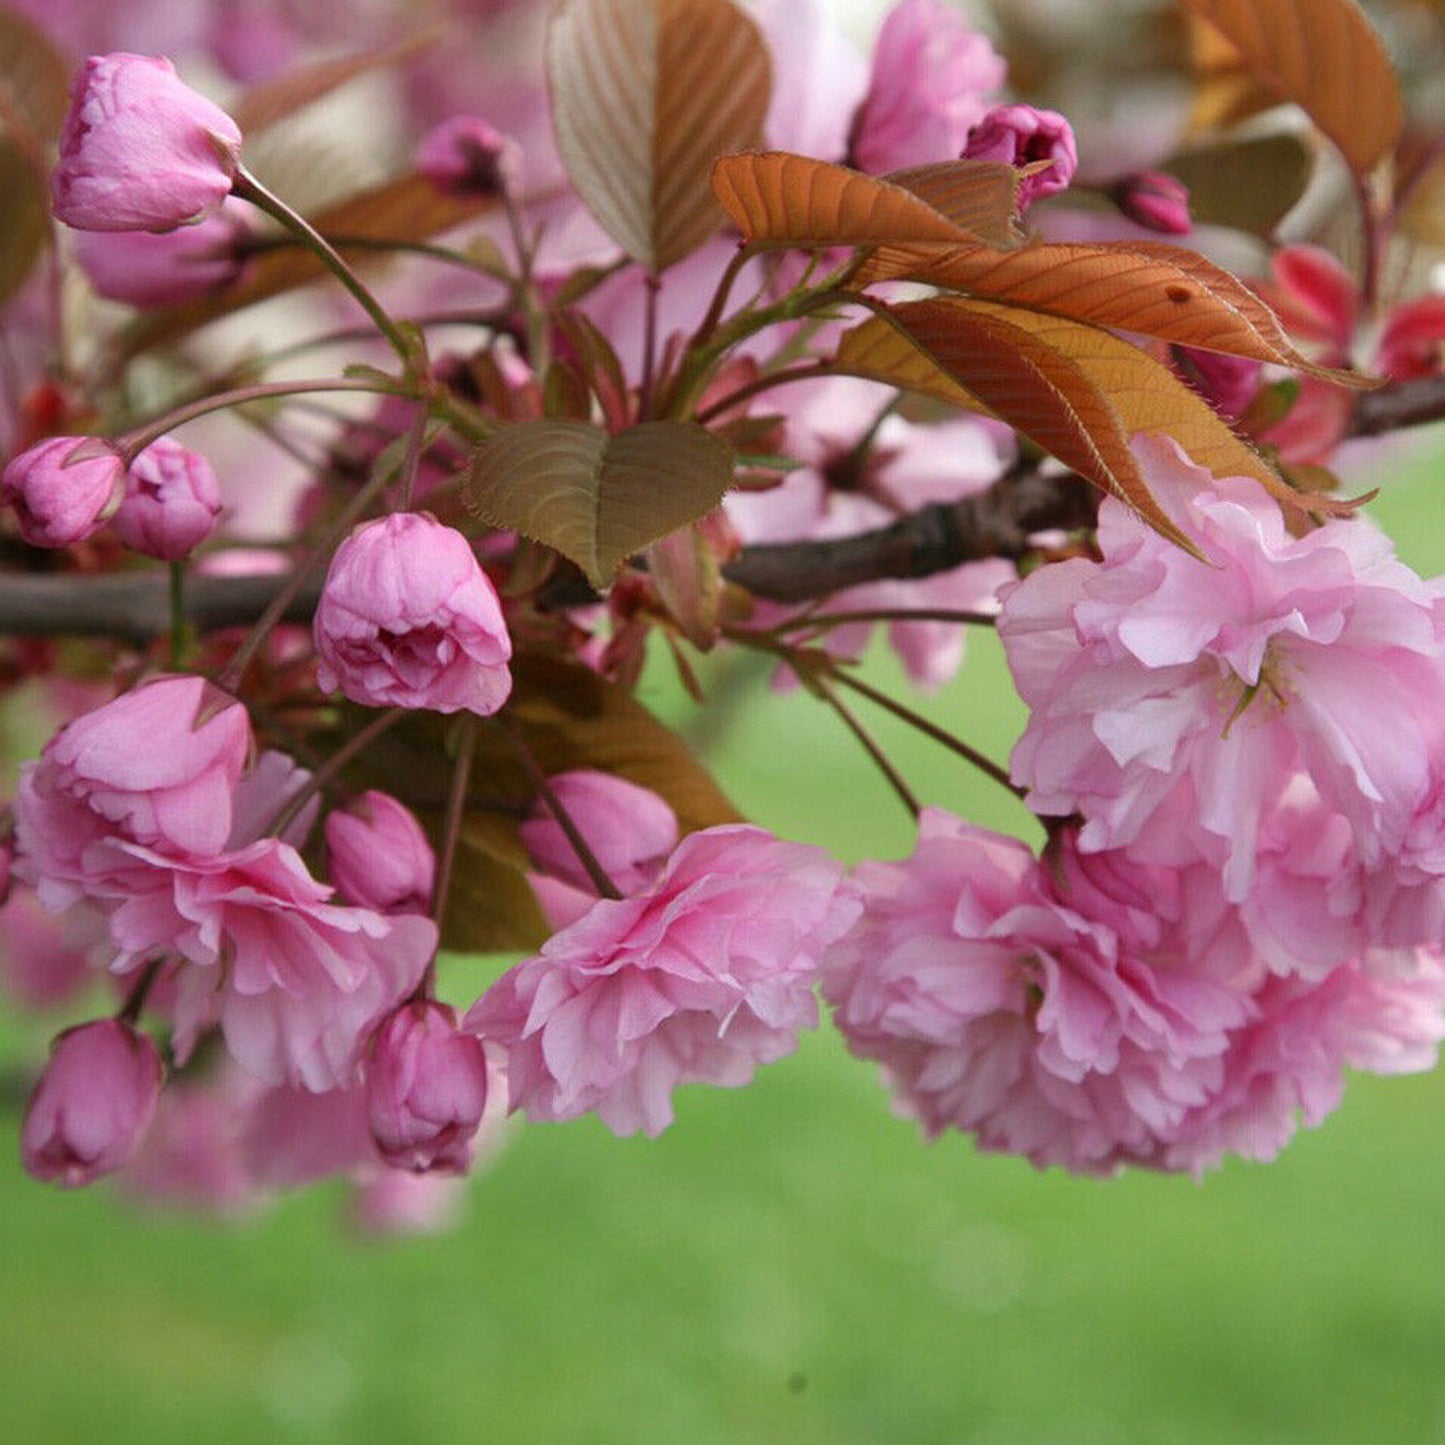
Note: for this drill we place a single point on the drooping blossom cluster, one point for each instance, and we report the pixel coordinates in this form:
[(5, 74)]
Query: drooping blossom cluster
[(1242, 893), (1240, 755)]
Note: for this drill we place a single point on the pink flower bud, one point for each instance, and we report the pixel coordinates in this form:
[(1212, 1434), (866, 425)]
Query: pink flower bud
[(407, 618), (165, 268), (59, 495), (426, 1088), (1155, 200), (92, 1104), (466, 156), (380, 858), (140, 150), (630, 830), (171, 501), (1020, 135)]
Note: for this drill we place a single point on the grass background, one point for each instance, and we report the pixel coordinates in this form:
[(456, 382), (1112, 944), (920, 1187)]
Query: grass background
[(789, 1263)]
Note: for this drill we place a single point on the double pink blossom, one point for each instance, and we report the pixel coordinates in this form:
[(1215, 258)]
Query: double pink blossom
[(407, 618), (140, 808), (698, 979), (379, 856), (171, 501), (165, 268), (426, 1089), (1023, 136), (1093, 1011), (1173, 701)]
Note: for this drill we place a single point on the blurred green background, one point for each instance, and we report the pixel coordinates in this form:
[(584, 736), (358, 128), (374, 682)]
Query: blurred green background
[(789, 1263)]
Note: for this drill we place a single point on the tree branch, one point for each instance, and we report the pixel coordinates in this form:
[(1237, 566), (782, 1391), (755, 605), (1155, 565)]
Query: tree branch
[(1401, 404), (135, 607)]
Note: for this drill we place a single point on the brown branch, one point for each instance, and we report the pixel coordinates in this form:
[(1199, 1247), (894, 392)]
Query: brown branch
[(135, 606), (995, 523), (1401, 404)]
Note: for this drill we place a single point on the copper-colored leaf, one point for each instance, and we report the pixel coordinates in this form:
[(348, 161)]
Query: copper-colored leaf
[(646, 94), (1045, 394), (32, 101), (1226, 91), (881, 350), (980, 196), (1326, 57), (779, 199), (1144, 287), (595, 497), (408, 208), (1248, 185), (568, 717), (1077, 391), (274, 100)]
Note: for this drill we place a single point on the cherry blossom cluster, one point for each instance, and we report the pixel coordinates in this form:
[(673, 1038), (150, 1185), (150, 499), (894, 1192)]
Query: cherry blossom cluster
[(1236, 747)]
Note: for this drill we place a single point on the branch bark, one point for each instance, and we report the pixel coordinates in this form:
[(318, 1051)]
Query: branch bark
[(134, 607)]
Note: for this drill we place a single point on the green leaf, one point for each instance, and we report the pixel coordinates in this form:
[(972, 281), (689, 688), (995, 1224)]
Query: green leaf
[(595, 497), (646, 94)]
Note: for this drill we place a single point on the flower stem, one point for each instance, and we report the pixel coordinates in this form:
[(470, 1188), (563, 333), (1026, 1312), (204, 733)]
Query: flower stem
[(870, 744), (455, 813), (588, 859), (248, 188), (321, 778)]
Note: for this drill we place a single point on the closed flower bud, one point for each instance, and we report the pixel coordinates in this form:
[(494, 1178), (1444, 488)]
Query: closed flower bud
[(140, 150), (1155, 200), (466, 156), (165, 268), (407, 618), (171, 501), (58, 494), (426, 1088), (380, 858), (92, 1105), (1020, 135)]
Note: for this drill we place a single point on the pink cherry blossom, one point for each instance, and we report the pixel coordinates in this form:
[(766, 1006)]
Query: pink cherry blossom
[(819, 78), (140, 150), (159, 764), (407, 618), (931, 74), (59, 488), (426, 1089), (699, 979), (1021, 135), (296, 983), (171, 502), (998, 1008), (92, 1104), (1152, 676), (379, 855)]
